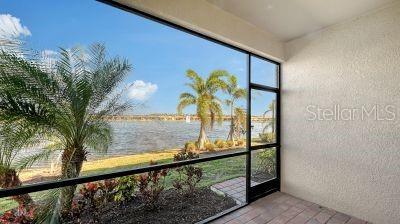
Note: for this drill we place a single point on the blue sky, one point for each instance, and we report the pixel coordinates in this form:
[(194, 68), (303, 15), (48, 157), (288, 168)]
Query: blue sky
[(160, 55)]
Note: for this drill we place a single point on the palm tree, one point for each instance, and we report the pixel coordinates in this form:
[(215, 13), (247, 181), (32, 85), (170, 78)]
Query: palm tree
[(235, 93), (239, 122), (10, 146), (271, 123), (208, 105), (65, 104)]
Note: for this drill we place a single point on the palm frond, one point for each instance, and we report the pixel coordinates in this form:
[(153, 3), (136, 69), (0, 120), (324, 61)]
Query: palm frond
[(112, 105), (239, 93), (25, 82), (232, 81), (215, 82), (187, 96), (49, 210), (217, 113), (185, 101), (98, 136), (12, 140), (106, 77), (97, 55), (192, 75), (28, 161)]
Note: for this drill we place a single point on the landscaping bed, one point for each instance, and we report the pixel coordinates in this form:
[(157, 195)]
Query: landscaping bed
[(172, 207)]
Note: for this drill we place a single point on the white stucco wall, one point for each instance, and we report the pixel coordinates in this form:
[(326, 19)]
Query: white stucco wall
[(350, 166), (204, 17)]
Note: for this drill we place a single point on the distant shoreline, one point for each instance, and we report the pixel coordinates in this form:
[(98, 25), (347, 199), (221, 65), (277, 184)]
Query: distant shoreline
[(171, 118)]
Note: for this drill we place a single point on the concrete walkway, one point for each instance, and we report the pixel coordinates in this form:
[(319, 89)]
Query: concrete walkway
[(234, 188)]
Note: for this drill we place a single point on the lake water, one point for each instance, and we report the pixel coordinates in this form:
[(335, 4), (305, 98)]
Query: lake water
[(133, 137)]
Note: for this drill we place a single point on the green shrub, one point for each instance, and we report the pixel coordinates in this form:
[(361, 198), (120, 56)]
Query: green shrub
[(190, 146), (230, 143), (89, 199), (189, 175), (209, 146), (151, 184), (267, 137), (92, 196), (185, 155), (267, 161), (220, 143), (125, 188)]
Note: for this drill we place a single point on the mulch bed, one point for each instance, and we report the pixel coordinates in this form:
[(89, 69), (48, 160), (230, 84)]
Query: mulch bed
[(173, 208)]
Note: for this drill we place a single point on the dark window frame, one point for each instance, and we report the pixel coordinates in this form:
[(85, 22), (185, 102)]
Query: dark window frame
[(251, 194)]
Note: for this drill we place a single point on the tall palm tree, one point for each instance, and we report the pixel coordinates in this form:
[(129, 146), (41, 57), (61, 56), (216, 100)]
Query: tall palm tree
[(208, 105), (65, 104), (235, 93), (271, 122), (239, 122)]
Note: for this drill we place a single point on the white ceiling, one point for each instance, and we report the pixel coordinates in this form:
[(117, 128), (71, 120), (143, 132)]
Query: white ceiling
[(289, 19)]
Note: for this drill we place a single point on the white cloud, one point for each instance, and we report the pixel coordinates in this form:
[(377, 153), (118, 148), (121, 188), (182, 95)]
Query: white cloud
[(10, 27), (140, 90)]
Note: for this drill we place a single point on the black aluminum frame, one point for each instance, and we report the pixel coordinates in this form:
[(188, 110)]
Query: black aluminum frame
[(251, 193), (269, 186)]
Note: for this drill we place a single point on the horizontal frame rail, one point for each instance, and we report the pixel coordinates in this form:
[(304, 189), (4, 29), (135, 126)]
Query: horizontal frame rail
[(264, 88), (264, 146)]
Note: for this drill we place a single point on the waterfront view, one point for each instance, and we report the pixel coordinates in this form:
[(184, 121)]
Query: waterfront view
[(134, 137)]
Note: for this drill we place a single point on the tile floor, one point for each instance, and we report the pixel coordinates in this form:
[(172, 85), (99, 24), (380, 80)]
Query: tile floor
[(281, 208)]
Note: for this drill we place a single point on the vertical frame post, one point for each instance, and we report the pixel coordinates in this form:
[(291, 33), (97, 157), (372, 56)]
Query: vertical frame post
[(248, 132), (278, 126)]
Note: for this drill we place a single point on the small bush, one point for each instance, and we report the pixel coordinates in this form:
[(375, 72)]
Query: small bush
[(185, 155), (88, 192), (23, 214), (125, 188), (106, 190), (267, 161), (190, 146), (76, 210), (90, 198), (209, 146), (240, 142), (189, 176), (151, 185), (267, 137), (230, 143), (220, 143)]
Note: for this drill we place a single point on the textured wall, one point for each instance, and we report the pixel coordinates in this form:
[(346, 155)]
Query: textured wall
[(349, 165), (206, 18)]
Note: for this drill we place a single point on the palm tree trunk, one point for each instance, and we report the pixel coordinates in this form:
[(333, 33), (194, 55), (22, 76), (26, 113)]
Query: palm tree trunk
[(202, 136), (10, 179), (72, 161), (231, 131), (273, 118)]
